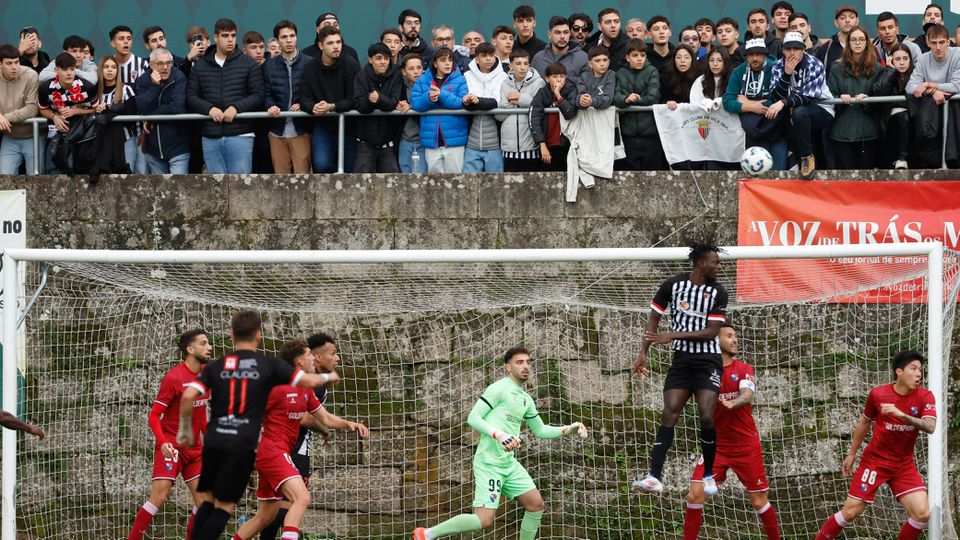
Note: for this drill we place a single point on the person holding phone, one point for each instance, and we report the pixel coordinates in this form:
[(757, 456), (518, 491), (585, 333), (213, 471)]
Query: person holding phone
[(30, 54)]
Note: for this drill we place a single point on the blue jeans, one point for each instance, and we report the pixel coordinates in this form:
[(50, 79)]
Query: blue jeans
[(175, 165), (324, 150), (476, 161), (13, 152), (134, 156), (228, 155), (405, 153)]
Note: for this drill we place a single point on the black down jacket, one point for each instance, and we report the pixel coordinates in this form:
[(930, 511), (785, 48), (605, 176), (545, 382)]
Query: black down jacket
[(238, 84)]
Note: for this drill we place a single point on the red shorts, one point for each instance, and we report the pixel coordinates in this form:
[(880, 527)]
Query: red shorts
[(273, 469), (184, 462), (748, 467), (903, 479)]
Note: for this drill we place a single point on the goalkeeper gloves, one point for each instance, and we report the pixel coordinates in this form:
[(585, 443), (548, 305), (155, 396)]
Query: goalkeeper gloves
[(509, 442), (575, 428)]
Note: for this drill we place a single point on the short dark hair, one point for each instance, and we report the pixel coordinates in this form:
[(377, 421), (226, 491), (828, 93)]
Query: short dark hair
[(581, 17), (596, 51), (727, 325), (151, 30), (557, 20), (252, 37), (729, 20), (486, 48), (781, 5), (657, 19), (758, 10), (187, 338), (326, 32), (403, 63), (887, 16), (409, 13), (938, 6), (194, 30), (123, 28), (703, 21), (286, 23), (518, 52), (9, 52), (391, 31), (635, 44), (798, 15), (442, 52), (555, 68), (606, 11), (224, 25), (937, 31), (245, 325), (65, 60), (524, 12), (74, 42), (902, 358), (502, 29), (320, 339), (513, 351), (378, 48), (699, 251), (290, 350)]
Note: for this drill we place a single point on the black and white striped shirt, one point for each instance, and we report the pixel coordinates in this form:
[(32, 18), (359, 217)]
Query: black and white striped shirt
[(132, 69), (692, 307)]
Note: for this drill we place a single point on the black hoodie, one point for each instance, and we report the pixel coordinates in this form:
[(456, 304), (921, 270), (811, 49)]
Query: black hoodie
[(238, 84), (378, 130), (333, 83), (618, 49), (829, 52), (421, 49)]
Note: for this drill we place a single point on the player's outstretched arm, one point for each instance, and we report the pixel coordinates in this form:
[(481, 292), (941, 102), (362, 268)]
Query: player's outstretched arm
[(859, 435), (310, 422), (316, 380), (476, 421), (653, 321), (10, 421), (185, 433), (546, 431), (332, 421)]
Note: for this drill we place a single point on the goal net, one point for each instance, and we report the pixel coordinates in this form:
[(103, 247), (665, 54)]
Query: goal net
[(418, 343)]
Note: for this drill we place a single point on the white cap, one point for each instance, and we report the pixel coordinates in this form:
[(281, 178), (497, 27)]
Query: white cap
[(793, 40), (755, 45)]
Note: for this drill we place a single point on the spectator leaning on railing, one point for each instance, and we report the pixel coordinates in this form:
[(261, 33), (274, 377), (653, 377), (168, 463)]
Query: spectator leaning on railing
[(86, 69), (935, 78), (65, 101), (379, 87), (484, 79), (895, 117), (857, 126), (289, 137), (559, 92), (443, 136), (412, 157), (18, 102), (748, 95), (638, 84), (520, 151), (162, 89), (223, 83)]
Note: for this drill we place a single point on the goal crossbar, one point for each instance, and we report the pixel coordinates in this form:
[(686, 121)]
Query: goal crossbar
[(933, 251)]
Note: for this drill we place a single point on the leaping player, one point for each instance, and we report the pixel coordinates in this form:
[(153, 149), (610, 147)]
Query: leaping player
[(497, 415), (738, 443), (169, 459), (898, 412)]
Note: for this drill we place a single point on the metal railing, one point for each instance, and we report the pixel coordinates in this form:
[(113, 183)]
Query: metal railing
[(342, 118)]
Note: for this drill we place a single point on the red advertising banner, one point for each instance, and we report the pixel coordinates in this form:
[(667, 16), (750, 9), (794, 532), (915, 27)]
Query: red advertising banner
[(801, 212)]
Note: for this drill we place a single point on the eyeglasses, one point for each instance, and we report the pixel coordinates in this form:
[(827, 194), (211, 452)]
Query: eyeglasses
[(444, 39), (857, 40), (163, 64), (579, 28)]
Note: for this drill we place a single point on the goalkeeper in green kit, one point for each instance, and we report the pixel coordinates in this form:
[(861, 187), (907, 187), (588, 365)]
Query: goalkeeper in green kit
[(498, 414)]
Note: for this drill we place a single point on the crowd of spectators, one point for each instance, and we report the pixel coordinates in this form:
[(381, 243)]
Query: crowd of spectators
[(774, 75)]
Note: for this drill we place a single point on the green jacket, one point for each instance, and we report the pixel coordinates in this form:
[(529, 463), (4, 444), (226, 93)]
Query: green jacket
[(858, 121), (646, 83)]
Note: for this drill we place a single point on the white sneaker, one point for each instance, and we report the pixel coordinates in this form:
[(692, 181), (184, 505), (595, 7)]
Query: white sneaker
[(649, 484), (900, 164), (709, 485)]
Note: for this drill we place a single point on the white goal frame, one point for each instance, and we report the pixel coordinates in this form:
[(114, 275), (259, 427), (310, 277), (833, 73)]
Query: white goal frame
[(12, 270)]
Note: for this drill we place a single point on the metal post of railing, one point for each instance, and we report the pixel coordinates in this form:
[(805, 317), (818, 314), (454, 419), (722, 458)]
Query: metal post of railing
[(946, 123), (341, 136), (36, 148)]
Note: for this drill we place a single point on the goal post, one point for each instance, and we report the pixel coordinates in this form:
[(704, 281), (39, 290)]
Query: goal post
[(596, 271)]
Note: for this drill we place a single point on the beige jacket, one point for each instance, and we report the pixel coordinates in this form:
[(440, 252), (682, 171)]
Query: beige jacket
[(18, 101)]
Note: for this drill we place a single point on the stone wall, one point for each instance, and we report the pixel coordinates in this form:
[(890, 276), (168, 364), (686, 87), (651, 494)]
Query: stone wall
[(416, 465)]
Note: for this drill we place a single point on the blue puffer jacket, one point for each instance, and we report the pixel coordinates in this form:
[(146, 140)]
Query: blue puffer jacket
[(441, 130), (280, 78)]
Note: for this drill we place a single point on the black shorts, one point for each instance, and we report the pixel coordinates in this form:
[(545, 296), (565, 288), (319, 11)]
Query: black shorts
[(694, 372), (226, 472), (302, 463)]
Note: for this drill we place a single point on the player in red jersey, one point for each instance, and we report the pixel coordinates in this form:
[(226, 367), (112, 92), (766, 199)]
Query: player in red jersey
[(899, 412), (169, 460), (287, 406), (738, 443)]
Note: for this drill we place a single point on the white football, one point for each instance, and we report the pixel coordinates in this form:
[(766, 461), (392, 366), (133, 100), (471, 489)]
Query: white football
[(756, 160)]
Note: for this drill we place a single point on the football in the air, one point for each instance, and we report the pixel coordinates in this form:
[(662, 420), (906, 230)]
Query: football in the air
[(756, 160)]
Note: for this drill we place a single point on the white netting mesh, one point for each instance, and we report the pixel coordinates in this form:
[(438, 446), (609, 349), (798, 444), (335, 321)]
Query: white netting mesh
[(418, 344)]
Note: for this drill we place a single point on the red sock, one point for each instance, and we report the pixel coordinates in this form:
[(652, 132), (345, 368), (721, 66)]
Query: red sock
[(290, 533), (142, 521), (692, 520), (768, 516), (832, 527), (190, 518), (911, 530)]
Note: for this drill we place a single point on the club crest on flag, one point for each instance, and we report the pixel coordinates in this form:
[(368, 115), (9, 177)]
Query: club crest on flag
[(703, 128)]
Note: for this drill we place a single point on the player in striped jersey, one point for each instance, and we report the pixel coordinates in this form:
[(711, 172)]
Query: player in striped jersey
[(898, 412), (738, 446), (698, 306), (169, 459)]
